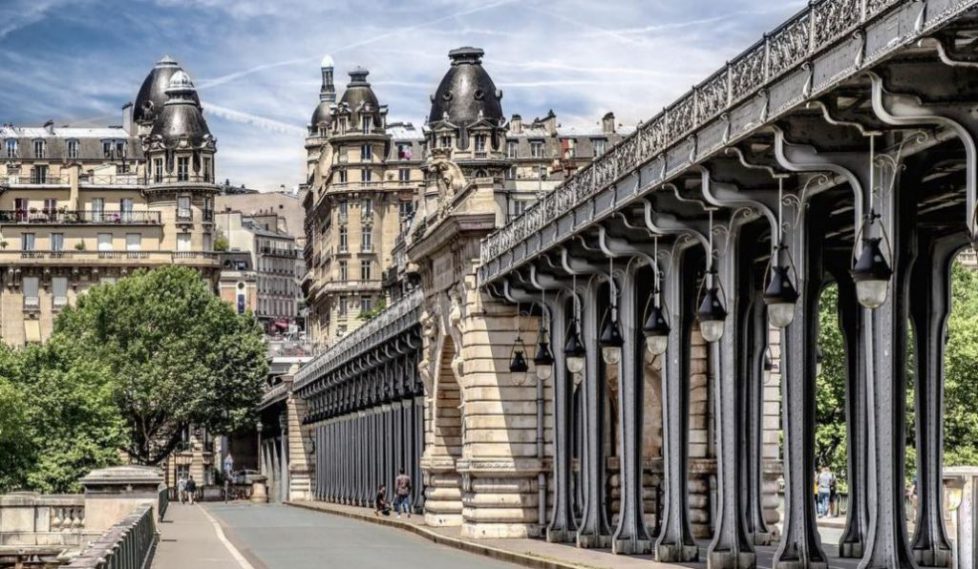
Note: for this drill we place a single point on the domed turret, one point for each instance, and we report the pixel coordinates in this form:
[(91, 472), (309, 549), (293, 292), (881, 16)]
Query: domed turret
[(181, 119), (152, 93), (466, 94), (359, 99)]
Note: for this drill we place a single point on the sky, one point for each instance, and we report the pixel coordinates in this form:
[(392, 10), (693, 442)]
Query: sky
[(256, 63)]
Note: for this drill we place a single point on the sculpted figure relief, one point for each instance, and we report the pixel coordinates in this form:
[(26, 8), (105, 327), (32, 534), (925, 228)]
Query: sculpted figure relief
[(450, 179)]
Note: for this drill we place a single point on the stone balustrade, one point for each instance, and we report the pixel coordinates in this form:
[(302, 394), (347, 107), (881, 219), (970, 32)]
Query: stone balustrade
[(28, 519)]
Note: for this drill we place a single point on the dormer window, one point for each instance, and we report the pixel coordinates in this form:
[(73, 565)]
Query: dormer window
[(107, 149), (39, 148), (72, 149), (11, 146), (365, 123), (120, 149), (599, 146), (512, 148), (536, 148), (480, 143), (445, 141), (183, 168)]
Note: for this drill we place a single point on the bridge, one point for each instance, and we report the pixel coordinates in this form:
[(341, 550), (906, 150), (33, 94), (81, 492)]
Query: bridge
[(593, 373)]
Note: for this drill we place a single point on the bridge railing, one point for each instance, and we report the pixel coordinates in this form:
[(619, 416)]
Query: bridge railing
[(814, 29), (129, 544)]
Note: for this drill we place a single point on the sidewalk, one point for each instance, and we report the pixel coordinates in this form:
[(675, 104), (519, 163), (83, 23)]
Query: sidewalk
[(526, 552), (189, 539)]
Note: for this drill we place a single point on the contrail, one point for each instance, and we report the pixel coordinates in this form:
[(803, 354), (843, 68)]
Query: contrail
[(253, 120), (239, 74)]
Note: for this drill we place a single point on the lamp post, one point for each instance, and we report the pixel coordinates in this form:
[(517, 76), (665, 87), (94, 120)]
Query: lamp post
[(780, 295), (871, 271), (611, 339), (656, 327), (258, 428), (711, 313)]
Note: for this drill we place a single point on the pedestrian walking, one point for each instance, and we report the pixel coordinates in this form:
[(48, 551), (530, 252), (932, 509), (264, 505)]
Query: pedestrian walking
[(191, 490), (402, 494), (834, 499), (181, 488), (825, 479), (380, 502)]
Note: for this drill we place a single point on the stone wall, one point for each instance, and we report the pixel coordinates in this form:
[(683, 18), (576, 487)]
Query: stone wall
[(29, 519)]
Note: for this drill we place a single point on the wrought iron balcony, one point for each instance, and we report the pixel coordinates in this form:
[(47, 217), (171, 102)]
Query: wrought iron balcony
[(73, 217), (35, 180)]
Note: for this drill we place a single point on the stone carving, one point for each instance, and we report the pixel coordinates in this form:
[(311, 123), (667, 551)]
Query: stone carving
[(429, 338), (456, 327), (449, 177)]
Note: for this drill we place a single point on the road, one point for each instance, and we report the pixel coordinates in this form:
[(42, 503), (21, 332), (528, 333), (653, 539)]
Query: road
[(282, 537)]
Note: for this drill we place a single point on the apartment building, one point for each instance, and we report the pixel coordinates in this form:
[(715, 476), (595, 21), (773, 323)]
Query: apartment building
[(83, 206)]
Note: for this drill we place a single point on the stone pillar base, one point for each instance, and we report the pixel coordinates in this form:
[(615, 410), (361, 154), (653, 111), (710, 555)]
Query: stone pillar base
[(669, 553), (593, 541), (799, 564), (933, 557), (561, 536), (480, 530), (851, 550), (630, 546), (733, 560), (442, 520)]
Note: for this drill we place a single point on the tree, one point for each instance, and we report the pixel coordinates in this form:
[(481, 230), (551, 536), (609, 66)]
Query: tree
[(14, 444), (830, 387), (961, 374), (176, 353)]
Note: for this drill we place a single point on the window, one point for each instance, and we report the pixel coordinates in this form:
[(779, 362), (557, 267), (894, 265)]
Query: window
[(107, 149), (125, 209), (20, 208), (183, 169), (365, 175), (183, 209), (207, 169), (72, 149), (536, 148), (480, 143), (11, 146), (50, 206), (104, 241), (367, 207), (366, 152), (57, 241), (120, 149), (98, 208), (511, 173), (365, 303), (344, 207), (512, 148), (27, 242), (39, 147), (343, 239), (519, 206), (445, 141), (208, 242), (404, 151), (344, 271), (342, 176), (183, 242), (405, 209), (365, 123), (59, 288), (364, 270), (404, 174), (31, 289), (341, 306), (39, 175), (366, 240), (158, 170), (599, 146), (134, 242)]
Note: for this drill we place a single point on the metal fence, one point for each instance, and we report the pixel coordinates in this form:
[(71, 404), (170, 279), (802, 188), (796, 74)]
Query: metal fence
[(164, 500), (130, 544)]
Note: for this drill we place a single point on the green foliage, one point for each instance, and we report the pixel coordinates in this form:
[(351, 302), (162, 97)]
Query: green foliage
[(175, 352), (830, 388), (373, 312), (221, 243)]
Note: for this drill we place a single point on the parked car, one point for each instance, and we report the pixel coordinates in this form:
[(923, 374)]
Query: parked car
[(246, 476)]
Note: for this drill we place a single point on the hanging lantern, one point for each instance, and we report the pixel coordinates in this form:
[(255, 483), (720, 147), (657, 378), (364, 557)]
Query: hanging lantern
[(871, 273), (544, 360), (611, 340), (711, 314), (574, 352), (656, 331), (780, 297), (518, 364)]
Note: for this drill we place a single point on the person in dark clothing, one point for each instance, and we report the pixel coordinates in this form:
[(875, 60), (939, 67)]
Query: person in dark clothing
[(380, 502), (191, 490)]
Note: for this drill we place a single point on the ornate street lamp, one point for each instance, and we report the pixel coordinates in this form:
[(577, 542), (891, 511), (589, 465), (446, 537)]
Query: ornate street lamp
[(780, 295), (518, 363), (543, 361), (611, 339), (711, 313), (871, 271), (656, 327), (574, 351)]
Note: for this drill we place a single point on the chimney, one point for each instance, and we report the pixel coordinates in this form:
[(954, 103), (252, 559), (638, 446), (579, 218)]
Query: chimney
[(516, 124), (550, 123), (608, 123), (127, 117)]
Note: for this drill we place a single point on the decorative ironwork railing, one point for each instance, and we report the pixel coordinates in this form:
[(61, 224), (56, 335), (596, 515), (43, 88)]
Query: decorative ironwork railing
[(381, 327), (813, 30), (67, 217), (127, 545)]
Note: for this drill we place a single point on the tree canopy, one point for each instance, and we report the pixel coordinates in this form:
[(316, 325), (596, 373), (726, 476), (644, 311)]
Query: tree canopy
[(176, 353)]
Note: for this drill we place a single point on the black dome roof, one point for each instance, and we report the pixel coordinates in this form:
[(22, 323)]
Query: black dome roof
[(321, 114), (358, 91), (181, 117), (152, 94), (466, 93)]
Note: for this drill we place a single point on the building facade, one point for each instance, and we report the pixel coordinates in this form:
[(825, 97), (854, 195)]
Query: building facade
[(83, 206), (363, 186)]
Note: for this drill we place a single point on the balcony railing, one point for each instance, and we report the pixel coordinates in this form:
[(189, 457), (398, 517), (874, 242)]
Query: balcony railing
[(279, 252), (112, 180), (176, 180), (76, 257), (35, 180), (69, 217)]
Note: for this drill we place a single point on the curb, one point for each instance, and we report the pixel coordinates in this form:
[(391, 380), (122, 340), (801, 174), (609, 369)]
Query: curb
[(524, 559)]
